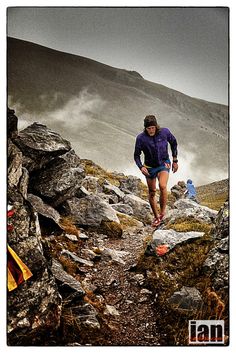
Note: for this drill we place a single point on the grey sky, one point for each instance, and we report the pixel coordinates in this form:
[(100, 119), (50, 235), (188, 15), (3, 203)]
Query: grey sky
[(182, 48)]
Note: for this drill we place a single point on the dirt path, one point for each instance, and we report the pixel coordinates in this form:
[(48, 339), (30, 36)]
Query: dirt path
[(132, 321)]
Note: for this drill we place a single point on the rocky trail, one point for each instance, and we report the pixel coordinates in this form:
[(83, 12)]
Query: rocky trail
[(101, 275), (129, 306)]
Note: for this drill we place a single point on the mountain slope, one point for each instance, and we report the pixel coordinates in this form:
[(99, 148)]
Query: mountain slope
[(101, 110)]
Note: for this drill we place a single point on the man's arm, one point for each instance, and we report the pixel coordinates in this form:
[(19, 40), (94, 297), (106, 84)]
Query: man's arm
[(137, 153), (173, 144)]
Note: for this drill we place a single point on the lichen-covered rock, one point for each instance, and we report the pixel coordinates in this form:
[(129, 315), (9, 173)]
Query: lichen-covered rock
[(113, 190), (58, 180), (170, 239), (34, 307), (90, 210), (123, 208), (130, 184), (222, 222), (42, 208), (141, 208), (187, 299), (217, 263), (184, 208), (17, 180), (91, 184), (40, 144), (67, 283)]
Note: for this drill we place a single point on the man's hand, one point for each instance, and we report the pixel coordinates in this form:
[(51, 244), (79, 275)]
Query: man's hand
[(144, 171), (175, 167)]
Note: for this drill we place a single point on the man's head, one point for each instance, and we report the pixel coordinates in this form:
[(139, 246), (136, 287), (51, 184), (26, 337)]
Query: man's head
[(150, 125)]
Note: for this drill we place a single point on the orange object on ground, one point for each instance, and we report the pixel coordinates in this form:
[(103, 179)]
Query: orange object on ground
[(17, 271), (162, 249)]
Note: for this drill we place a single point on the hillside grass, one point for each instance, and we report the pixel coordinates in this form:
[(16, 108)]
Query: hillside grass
[(213, 195), (181, 267)]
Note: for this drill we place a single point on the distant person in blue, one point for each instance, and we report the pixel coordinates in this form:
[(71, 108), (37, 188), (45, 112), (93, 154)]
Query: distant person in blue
[(191, 193), (153, 142)]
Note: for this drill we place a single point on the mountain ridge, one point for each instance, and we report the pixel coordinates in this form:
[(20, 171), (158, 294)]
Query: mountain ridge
[(85, 99)]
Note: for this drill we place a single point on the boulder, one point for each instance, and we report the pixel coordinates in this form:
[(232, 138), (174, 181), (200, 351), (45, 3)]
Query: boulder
[(178, 190), (123, 208), (34, 307), (76, 258), (165, 240), (44, 209), (111, 199), (113, 190), (58, 180), (222, 222), (90, 210), (217, 263), (91, 184), (141, 208), (40, 144), (115, 255), (187, 299), (130, 184), (66, 282), (17, 177), (184, 208)]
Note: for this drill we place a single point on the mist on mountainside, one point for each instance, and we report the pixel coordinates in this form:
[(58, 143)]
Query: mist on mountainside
[(100, 109)]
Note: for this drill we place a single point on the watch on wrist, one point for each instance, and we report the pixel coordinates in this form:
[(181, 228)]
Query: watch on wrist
[(175, 161)]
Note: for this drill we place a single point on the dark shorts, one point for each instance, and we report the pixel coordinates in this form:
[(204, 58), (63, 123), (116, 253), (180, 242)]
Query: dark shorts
[(153, 171)]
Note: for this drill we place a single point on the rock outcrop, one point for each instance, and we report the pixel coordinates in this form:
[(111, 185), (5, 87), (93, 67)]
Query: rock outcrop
[(217, 262)]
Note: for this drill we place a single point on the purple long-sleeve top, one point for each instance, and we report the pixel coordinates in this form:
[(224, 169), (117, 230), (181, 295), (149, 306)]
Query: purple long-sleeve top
[(154, 148)]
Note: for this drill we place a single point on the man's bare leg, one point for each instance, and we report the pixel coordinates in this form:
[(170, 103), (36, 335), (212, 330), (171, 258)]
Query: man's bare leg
[(163, 179), (152, 196)]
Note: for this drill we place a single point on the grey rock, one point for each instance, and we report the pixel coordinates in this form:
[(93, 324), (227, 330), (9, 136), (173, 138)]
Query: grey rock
[(123, 208), (217, 267), (115, 255), (82, 192), (90, 254), (141, 208), (114, 190), (40, 144), (60, 179), (14, 171), (83, 236), (139, 278), (187, 208), (222, 222), (130, 184), (223, 245), (111, 310), (72, 237), (217, 263), (188, 298), (65, 280), (90, 210), (77, 258), (43, 209), (171, 238), (111, 199), (36, 300), (91, 184), (24, 183), (85, 315)]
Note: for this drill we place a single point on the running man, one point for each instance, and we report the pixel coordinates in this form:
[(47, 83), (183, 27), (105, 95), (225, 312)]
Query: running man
[(153, 142)]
